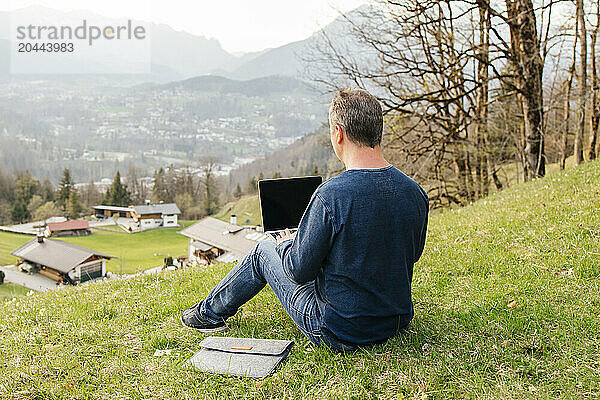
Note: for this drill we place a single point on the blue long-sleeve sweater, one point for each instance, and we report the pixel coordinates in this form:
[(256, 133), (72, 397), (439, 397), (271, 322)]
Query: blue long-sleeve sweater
[(358, 240)]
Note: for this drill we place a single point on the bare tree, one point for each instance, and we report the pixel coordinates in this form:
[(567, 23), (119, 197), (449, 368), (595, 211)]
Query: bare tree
[(582, 80), (207, 185), (592, 151), (566, 104), (139, 192), (525, 56), (431, 64)]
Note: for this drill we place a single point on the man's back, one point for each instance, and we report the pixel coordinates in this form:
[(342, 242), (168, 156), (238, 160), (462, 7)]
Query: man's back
[(345, 276), (374, 223)]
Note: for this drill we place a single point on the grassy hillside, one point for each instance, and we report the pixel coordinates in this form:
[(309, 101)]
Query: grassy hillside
[(507, 304), (135, 252), (246, 208), (298, 159), (8, 291)]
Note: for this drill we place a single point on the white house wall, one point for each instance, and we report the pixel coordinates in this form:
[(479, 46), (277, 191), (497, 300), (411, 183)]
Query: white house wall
[(169, 220), (150, 223)]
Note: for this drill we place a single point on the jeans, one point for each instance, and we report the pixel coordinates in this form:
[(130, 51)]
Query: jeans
[(260, 266)]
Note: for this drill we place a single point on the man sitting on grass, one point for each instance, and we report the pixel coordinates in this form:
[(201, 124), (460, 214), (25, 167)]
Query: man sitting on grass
[(345, 277)]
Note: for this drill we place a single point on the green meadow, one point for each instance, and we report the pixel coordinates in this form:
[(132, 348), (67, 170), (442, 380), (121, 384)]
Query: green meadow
[(134, 251), (507, 305)]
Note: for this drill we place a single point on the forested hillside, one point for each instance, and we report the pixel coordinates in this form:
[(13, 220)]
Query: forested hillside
[(310, 155)]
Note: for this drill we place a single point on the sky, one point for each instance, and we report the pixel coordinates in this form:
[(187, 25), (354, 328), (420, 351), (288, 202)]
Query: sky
[(239, 25)]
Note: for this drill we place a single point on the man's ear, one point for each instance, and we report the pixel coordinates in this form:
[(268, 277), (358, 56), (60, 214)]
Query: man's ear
[(339, 134)]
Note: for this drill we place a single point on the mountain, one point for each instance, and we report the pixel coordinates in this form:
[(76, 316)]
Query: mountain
[(237, 62), (254, 87), (282, 60), (288, 59), (4, 55), (173, 54), (188, 54)]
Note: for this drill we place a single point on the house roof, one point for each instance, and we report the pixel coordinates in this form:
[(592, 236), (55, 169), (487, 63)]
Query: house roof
[(112, 208), (164, 208), (56, 254), (67, 225), (201, 245), (229, 237)]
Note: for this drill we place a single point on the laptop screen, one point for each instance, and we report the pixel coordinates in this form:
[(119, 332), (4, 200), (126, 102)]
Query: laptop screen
[(283, 201)]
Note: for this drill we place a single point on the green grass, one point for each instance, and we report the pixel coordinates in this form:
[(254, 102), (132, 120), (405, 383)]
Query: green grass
[(507, 305), (247, 207), (135, 251), (9, 242), (9, 290), (512, 173)]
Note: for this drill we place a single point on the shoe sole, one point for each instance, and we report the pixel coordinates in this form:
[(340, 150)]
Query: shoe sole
[(220, 329)]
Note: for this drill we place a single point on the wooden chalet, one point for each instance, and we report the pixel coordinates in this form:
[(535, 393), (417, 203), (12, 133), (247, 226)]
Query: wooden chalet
[(154, 215), (67, 228), (61, 261), (112, 211), (213, 239)]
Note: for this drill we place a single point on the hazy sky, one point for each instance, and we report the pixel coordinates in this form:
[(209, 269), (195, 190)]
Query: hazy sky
[(239, 25)]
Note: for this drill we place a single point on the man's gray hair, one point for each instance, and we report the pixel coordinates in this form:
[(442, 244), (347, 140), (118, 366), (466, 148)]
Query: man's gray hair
[(359, 114)]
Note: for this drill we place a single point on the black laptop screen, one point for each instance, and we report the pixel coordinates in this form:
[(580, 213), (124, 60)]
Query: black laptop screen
[(283, 201)]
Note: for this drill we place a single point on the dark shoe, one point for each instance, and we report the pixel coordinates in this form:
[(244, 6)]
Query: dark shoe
[(191, 318)]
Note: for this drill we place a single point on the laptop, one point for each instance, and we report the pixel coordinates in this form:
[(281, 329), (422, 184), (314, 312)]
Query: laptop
[(283, 202)]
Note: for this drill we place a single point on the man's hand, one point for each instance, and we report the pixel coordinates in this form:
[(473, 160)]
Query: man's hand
[(285, 235)]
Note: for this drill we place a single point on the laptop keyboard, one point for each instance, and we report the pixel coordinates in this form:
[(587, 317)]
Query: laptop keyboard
[(276, 234)]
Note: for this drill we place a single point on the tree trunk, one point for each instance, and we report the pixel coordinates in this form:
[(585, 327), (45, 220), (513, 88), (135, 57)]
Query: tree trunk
[(582, 78), (481, 109), (566, 106), (462, 171), (591, 152), (525, 48)]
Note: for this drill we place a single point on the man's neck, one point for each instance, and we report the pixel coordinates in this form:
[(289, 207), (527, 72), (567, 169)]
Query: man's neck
[(364, 158)]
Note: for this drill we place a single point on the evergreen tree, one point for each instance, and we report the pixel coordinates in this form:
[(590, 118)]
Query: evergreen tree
[(117, 194), (19, 211), (65, 186), (7, 188), (74, 206), (252, 185), (47, 191), (238, 192)]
